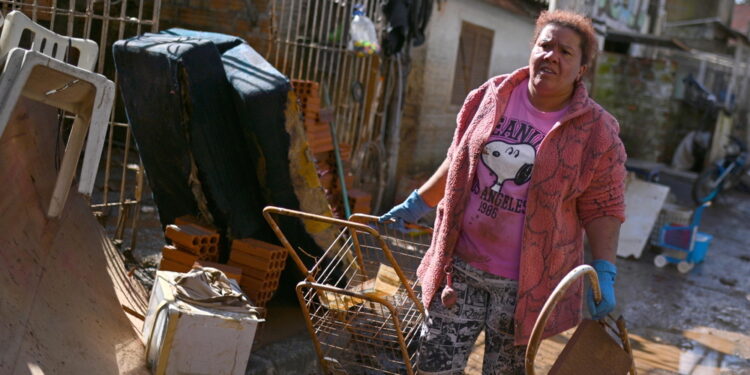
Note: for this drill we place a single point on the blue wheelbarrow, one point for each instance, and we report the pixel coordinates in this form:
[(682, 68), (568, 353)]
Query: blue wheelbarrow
[(684, 245)]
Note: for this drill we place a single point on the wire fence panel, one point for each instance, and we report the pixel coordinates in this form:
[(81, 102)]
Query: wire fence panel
[(310, 43)]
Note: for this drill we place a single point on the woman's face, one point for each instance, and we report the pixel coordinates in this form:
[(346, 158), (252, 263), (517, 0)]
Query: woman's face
[(555, 61)]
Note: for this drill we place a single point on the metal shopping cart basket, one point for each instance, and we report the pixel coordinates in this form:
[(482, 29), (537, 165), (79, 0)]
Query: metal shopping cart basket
[(361, 298)]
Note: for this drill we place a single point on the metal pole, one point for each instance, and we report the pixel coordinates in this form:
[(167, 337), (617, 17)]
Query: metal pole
[(702, 72), (394, 128), (339, 165), (735, 70)]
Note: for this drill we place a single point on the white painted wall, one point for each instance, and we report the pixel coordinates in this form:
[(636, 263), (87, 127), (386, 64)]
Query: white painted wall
[(510, 50)]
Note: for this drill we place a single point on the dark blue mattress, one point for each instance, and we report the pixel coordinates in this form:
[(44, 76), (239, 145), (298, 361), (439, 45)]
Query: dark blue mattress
[(212, 98), (181, 110)]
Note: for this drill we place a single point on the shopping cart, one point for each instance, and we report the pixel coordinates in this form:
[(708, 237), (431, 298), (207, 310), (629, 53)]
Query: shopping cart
[(361, 298)]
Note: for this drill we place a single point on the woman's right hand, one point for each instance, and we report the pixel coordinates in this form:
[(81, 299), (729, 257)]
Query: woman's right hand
[(410, 211)]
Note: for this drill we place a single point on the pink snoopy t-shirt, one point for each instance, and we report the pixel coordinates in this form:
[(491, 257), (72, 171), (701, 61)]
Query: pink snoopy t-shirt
[(492, 228)]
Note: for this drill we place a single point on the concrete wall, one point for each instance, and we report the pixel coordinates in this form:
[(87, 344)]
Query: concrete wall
[(640, 94), (684, 10), (624, 15), (586, 7), (432, 126)]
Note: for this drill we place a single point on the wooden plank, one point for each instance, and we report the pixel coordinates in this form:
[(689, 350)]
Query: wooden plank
[(64, 290), (178, 256), (643, 201), (591, 351)]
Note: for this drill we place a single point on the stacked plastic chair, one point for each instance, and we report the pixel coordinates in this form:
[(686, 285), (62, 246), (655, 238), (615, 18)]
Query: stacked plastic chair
[(40, 74)]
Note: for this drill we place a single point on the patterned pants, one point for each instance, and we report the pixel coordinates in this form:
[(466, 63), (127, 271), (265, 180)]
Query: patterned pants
[(485, 301)]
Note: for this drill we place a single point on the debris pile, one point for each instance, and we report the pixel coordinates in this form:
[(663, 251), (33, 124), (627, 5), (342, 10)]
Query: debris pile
[(254, 264), (261, 264)]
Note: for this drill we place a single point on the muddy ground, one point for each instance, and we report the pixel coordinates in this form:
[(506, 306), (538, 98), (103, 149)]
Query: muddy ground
[(695, 323), (704, 313)]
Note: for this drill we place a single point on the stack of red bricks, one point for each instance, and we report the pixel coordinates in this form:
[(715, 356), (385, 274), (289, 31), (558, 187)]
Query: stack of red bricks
[(261, 265), (360, 201), (321, 145), (190, 238), (191, 242), (317, 131)]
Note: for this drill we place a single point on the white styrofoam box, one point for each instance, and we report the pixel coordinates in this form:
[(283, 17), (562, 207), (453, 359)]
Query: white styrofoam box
[(187, 339)]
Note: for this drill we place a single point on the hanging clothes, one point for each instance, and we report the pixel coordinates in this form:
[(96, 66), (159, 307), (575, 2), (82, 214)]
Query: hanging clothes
[(406, 21)]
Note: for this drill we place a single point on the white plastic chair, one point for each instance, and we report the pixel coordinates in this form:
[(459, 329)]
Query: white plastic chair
[(44, 78), (45, 41)]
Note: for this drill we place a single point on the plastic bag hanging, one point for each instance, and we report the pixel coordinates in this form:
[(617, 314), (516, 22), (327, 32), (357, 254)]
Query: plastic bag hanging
[(363, 39)]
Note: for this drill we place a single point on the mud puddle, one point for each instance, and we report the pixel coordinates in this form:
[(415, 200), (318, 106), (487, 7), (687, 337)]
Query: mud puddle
[(697, 351)]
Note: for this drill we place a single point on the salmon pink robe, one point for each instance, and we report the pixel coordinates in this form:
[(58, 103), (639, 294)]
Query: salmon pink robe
[(578, 176)]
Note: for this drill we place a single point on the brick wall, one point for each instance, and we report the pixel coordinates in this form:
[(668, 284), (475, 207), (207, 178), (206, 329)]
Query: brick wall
[(248, 19)]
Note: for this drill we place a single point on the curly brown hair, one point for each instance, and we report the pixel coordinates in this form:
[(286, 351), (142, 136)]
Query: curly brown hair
[(574, 21)]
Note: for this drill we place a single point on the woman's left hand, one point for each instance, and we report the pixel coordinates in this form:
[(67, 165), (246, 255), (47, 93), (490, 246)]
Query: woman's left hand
[(606, 272)]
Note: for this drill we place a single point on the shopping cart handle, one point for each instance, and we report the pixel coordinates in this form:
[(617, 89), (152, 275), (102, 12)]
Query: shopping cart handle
[(366, 219), (549, 305)]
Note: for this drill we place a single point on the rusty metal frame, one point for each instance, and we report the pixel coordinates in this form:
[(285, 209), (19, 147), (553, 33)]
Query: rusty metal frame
[(376, 327)]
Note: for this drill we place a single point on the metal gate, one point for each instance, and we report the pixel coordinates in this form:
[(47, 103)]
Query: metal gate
[(310, 43)]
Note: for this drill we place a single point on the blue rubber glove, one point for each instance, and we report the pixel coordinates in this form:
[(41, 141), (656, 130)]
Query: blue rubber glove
[(413, 208), (606, 272)]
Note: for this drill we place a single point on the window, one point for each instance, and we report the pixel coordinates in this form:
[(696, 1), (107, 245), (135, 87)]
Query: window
[(616, 46), (472, 61)]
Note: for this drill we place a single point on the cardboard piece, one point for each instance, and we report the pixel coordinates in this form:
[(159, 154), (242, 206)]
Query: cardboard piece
[(385, 284), (387, 281), (643, 202)]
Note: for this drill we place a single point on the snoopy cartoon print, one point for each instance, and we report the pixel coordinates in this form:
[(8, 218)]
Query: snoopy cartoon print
[(509, 162)]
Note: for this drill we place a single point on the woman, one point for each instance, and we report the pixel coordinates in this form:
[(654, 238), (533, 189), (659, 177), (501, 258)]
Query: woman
[(504, 235)]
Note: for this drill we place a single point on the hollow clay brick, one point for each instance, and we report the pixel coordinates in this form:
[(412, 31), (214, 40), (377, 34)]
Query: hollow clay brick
[(259, 248), (192, 220), (176, 255), (190, 237), (170, 265)]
